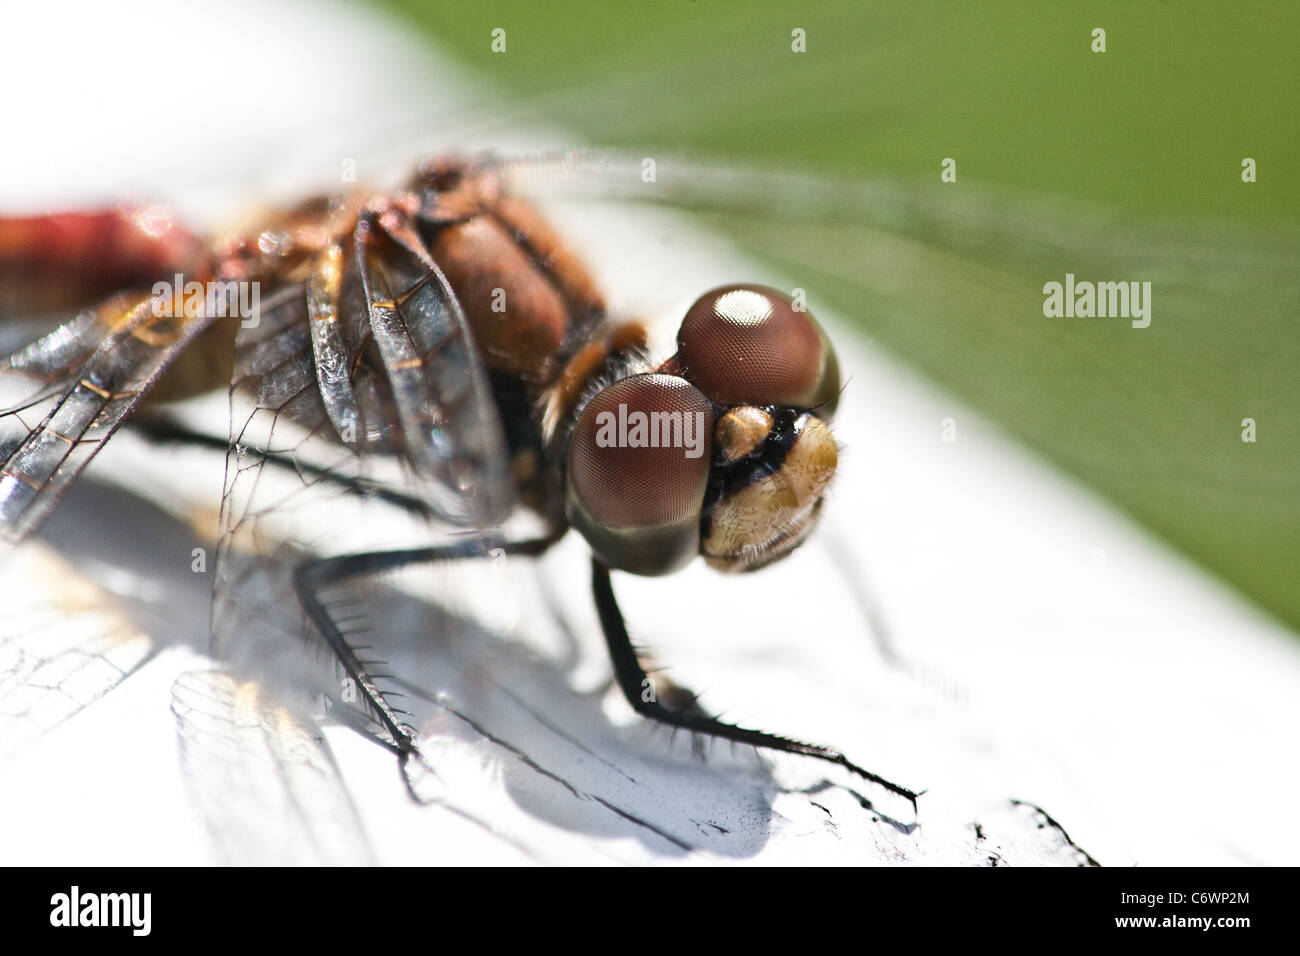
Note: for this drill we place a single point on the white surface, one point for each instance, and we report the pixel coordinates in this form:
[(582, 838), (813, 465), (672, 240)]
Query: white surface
[(1138, 702)]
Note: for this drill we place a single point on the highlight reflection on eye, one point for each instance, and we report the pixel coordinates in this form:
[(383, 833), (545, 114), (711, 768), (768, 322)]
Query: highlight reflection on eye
[(748, 345)]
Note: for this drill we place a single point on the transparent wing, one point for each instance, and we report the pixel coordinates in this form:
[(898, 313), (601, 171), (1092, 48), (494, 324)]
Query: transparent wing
[(950, 279), (64, 395), (361, 421)]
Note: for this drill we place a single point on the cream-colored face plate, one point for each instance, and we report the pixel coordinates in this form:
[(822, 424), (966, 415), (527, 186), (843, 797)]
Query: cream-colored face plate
[(769, 518)]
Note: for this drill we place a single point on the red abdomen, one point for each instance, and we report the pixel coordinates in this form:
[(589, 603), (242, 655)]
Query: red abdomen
[(65, 260)]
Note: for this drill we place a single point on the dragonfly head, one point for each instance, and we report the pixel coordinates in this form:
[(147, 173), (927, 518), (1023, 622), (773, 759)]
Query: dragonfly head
[(725, 451)]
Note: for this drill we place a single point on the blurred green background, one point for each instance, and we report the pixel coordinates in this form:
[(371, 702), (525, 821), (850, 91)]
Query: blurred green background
[(1123, 165)]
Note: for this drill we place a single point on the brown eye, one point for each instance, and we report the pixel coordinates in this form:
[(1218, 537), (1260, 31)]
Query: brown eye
[(638, 465), (747, 345)]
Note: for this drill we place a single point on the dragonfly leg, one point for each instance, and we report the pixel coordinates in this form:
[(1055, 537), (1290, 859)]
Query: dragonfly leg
[(315, 576), (633, 681)]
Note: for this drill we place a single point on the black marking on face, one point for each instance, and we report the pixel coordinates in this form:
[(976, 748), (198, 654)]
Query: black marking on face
[(726, 480)]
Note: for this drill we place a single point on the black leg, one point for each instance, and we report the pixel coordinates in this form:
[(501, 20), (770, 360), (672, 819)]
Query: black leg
[(312, 578), (632, 679)]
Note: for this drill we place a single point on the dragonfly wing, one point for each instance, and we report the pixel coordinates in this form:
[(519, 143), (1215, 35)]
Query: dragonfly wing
[(358, 402), (449, 422), (81, 382)]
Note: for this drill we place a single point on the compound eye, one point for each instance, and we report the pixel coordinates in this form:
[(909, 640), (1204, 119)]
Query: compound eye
[(638, 466), (748, 345)]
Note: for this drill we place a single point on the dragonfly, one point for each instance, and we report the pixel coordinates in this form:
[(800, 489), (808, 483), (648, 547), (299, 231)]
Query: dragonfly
[(437, 347)]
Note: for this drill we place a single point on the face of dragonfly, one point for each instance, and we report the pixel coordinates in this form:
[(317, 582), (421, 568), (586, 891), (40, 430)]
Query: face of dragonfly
[(725, 451)]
